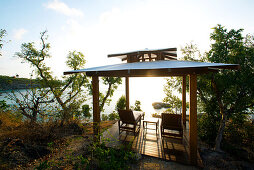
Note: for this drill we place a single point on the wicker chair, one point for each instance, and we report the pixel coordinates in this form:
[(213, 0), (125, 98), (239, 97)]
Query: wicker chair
[(130, 121), (171, 125)]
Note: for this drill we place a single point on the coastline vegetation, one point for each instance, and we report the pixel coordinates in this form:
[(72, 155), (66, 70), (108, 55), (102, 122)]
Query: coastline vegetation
[(8, 83)]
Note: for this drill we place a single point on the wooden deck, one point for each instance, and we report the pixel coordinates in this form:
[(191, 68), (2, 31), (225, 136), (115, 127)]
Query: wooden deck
[(147, 143)]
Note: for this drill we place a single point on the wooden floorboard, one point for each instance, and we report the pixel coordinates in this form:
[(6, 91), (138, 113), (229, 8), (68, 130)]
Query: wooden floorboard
[(147, 143)]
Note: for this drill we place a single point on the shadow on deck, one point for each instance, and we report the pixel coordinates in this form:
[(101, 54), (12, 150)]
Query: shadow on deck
[(150, 144)]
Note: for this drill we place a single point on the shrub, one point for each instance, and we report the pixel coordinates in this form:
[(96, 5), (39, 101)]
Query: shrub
[(113, 116), (207, 128), (121, 103), (86, 111), (137, 105), (156, 115), (102, 157), (169, 110), (239, 134), (104, 117)]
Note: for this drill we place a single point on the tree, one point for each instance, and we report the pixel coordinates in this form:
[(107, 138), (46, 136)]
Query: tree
[(112, 83), (228, 93), (32, 103), (137, 105), (3, 33), (172, 100), (121, 103), (233, 90), (86, 111), (68, 96)]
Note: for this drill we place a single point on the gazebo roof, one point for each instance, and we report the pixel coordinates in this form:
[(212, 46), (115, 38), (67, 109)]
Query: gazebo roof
[(159, 68)]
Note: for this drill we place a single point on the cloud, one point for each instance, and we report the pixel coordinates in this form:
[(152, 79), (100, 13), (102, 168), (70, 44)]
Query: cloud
[(64, 9), (18, 34)]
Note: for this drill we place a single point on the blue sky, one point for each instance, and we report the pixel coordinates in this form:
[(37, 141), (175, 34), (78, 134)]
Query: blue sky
[(99, 27)]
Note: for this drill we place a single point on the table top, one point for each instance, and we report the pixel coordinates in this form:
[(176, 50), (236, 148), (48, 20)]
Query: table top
[(151, 120)]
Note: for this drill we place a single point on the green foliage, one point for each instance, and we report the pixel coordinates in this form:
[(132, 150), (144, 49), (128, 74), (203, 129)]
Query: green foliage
[(75, 60), (4, 105), (104, 117), (222, 95), (86, 111), (70, 95), (170, 111), (103, 157), (156, 115), (113, 116), (3, 33), (137, 105), (239, 134), (112, 83), (121, 103), (43, 165), (208, 125), (13, 83), (228, 93), (172, 100)]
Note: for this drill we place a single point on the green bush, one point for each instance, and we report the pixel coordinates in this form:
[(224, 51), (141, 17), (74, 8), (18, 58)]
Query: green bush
[(4, 105), (86, 111), (113, 116), (104, 117), (102, 157), (121, 103), (137, 105), (207, 128), (239, 134)]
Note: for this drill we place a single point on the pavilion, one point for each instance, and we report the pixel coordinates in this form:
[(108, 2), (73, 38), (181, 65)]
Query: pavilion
[(156, 63)]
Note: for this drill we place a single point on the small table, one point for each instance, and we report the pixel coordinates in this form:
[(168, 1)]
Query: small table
[(151, 121)]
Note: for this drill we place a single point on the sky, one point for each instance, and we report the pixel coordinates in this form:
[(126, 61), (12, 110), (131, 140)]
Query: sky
[(100, 27)]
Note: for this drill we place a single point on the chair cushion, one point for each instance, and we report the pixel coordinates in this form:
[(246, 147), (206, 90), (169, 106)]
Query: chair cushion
[(137, 114)]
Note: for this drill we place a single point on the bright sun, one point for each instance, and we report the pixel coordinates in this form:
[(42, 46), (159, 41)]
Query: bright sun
[(147, 90)]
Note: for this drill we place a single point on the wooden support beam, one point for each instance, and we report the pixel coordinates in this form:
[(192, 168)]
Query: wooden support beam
[(193, 119), (184, 100), (127, 95), (128, 58), (96, 107)]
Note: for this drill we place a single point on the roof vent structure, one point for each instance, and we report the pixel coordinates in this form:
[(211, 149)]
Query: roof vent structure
[(147, 55)]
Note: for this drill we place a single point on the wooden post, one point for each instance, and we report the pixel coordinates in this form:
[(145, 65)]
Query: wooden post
[(193, 118), (127, 93), (96, 107), (184, 100)]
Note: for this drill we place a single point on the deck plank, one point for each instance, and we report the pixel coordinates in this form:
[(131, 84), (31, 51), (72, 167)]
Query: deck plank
[(147, 143)]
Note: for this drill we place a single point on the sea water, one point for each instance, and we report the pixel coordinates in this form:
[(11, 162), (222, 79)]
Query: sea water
[(146, 90)]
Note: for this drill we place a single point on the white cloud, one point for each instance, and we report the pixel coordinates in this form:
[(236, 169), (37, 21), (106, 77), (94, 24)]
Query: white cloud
[(18, 34), (64, 9)]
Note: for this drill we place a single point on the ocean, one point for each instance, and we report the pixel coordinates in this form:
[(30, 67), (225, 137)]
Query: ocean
[(146, 90)]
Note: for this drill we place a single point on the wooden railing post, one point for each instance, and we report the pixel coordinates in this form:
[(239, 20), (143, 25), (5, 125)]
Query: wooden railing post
[(127, 93), (184, 100), (96, 107), (193, 118)]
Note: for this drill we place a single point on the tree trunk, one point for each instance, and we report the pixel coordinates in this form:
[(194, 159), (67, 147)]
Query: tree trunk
[(223, 118), (220, 132), (106, 96)]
